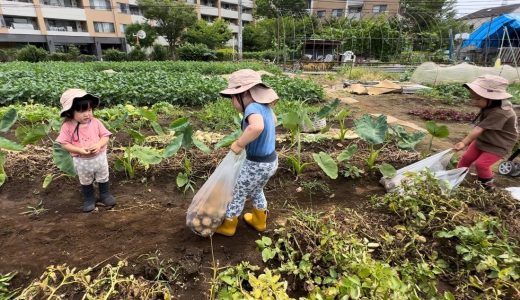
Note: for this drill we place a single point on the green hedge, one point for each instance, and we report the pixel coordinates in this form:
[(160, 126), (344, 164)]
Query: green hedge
[(138, 87)]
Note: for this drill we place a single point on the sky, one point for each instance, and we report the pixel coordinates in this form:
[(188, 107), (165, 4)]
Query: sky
[(465, 7)]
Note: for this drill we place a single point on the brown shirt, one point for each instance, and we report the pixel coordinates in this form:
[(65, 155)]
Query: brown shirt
[(500, 131)]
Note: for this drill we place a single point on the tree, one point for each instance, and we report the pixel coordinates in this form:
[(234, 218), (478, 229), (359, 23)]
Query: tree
[(212, 35), (172, 17), (132, 29), (275, 8), (427, 14)]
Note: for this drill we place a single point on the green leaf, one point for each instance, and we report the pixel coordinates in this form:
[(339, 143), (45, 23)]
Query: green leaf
[(8, 120), (136, 135), (199, 144), (327, 164), (291, 121), (147, 155), (157, 128), (31, 135), (387, 170), (371, 130), (407, 141), (6, 144), (150, 115), (448, 295), (179, 124), (119, 165), (348, 153), (182, 179), (327, 109), (343, 114), (62, 159), (267, 254), (228, 139), (48, 180), (438, 131), (173, 147), (3, 178)]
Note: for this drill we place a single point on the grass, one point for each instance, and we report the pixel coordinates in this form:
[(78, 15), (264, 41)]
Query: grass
[(217, 115), (367, 74), (514, 89)]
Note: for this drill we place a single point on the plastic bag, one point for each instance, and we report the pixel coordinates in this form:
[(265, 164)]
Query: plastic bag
[(437, 164), (208, 207), (515, 192)]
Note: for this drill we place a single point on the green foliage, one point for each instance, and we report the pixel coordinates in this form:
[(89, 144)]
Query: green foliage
[(32, 54), (137, 54), (131, 32), (436, 131), (331, 168), (373, 131), (448, 93), (172, 17), (159, 53), (63, 160), (136, 155), (514, 90), (87, 58), (217, 115), (7, 55), (295, 88), (405, 140), (114, 55), (327, 164), (8, 119), (212, 35), (5, 293), (58, 56), (200, 52), (35, 210), (362, 73), (276, 8)]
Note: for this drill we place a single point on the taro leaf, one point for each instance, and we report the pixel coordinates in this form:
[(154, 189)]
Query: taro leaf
[(387, 170), (228, 139), (8, 120), (199, 144), (6, 144), (407, 141), (438, 131), (327, 164), (182, 179), (371, 130), (173, 147), (62, 159), (327, 109), (31, 135), (157, 128), (348, 153), (118, 123), (47, 180), (343, 114), (54, 125), (119, 165), (146, 155), (179, 124), (3, 176), (187, 132), (291, 121), (136, 135), (150, 115)]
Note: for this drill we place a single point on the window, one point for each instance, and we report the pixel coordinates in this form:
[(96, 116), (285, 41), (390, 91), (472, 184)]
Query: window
[(337, 12), (64, 25), (122, 28), (100, 4), (134, 10), (379, 8), (320, 13), (20, 23), (123, 8), (62, 3), (104, 27), (354, 9)]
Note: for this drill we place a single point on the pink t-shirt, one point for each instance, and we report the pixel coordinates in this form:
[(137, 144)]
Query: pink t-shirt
[(89, 134)]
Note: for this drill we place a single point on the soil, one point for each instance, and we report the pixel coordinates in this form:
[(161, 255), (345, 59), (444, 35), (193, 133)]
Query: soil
[(150, 214)]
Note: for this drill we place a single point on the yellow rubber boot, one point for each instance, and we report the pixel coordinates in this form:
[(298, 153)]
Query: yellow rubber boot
[(257, 218), (228, 227)]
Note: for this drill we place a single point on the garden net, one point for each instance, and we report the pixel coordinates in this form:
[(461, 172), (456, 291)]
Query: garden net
[(432, 74), (208, 207)]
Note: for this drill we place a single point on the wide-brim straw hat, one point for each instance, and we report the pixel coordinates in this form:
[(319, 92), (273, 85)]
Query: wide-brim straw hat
[(490, 87), (67, 99), (249, 80)]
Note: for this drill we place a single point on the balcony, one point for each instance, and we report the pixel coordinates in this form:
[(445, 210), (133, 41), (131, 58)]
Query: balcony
[(64, 13), (67, 27), (247, 17), (355, 3), (14, 8), (231, 14), (208, 10)]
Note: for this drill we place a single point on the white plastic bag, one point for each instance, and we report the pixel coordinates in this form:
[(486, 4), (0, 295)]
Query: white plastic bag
[(515, 192), (437, 164), (208, 207)]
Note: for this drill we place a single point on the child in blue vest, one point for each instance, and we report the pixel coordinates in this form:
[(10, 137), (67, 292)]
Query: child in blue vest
[(251, 97)]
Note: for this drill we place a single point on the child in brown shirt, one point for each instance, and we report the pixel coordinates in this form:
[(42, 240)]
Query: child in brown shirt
[(496, 129)]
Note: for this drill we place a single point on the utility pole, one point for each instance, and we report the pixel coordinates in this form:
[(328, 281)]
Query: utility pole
[(239, 30)]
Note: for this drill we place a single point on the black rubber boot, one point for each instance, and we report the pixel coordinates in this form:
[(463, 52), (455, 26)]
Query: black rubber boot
[(89, 196), (487, 184), (105, 196)]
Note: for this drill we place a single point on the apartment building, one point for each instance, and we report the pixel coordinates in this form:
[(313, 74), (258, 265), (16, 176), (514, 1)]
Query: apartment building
[(91, 25), (352, 9)]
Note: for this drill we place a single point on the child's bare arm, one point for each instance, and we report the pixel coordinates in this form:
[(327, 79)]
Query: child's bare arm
[(251, 133), (473, 134)]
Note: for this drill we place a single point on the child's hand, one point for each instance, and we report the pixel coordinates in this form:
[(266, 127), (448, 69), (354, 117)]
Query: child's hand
[(94, 149), (236, 148), (459, 146), (83, 151)]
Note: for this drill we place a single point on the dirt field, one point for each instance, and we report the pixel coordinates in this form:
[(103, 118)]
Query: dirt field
[(150, 216)]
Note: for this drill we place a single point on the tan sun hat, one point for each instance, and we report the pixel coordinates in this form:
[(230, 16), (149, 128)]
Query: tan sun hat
[(490, 87), (247, 79), (67, 99)]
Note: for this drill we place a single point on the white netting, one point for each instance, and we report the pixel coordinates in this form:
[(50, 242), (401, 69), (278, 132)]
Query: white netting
[(432, 74)]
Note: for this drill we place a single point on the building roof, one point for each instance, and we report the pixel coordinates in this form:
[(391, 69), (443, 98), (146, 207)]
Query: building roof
[(491, 12), (491, 33)]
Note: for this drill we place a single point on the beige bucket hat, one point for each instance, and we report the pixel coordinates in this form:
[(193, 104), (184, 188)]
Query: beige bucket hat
[(247, 79), (490, 87), (67, 99)]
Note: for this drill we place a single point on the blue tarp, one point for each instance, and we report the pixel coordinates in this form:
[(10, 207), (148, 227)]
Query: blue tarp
[(490, 33)]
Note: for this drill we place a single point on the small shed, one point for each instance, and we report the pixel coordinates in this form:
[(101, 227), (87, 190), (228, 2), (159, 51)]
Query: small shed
[(321, 50)]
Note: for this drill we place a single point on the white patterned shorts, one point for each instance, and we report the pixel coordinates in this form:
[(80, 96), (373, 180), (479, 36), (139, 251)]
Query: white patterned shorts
[(92, 168)]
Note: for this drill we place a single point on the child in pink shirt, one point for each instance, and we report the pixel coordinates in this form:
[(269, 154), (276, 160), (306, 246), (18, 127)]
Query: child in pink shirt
[(85, 138)]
